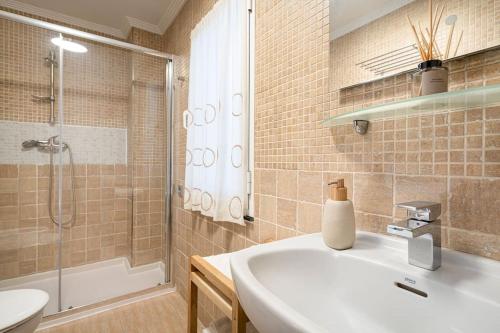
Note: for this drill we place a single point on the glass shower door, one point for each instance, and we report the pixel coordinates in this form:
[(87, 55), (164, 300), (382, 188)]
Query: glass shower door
[(82, 201), (115, 121), (28, 237)]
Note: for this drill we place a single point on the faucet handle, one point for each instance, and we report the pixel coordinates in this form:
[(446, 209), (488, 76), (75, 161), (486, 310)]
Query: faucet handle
[(421, 210)]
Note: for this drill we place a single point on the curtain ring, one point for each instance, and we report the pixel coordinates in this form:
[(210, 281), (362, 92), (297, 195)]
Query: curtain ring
[(236, 114), (194, 157), (187, 119), (236, 217), (207, 119), (214, 155), (194, 116), (190, 159), (209, 197), (236, 164), (186, 190), (196, 204)]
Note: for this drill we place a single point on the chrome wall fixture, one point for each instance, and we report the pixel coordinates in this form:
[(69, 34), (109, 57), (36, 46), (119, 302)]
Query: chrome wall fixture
[(52, 145), (360, 126), (392, 61), (52, 62)]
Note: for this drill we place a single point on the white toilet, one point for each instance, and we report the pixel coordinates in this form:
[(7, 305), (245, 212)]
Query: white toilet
[(21, 310)]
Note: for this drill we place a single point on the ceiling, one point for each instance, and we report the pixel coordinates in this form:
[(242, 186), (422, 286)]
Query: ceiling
[(112, 17), (349, 15)]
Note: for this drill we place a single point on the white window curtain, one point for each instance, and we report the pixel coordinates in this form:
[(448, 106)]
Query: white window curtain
[(217, 119)]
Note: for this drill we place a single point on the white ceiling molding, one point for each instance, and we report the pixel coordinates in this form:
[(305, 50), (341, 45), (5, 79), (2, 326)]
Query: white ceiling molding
[(120, 31), (170, 13), (52, 15), (136, 23)]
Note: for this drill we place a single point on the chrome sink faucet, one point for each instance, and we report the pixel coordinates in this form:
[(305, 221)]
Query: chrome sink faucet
[(422, 228)]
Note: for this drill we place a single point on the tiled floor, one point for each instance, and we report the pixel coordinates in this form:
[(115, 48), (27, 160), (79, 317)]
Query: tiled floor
[(166, 314)]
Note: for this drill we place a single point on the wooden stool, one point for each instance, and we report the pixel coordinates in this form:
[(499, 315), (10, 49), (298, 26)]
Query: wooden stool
[(219, 289)]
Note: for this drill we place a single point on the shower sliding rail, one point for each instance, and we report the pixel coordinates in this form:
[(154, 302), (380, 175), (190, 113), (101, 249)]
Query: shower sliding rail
[(51, 60), (82, 34)]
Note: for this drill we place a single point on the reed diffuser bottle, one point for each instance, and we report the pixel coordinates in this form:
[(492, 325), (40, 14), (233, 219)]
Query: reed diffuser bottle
[(434, 78), (433, 75)]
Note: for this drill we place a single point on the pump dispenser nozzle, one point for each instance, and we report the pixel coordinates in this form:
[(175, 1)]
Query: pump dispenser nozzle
[(338, 192)]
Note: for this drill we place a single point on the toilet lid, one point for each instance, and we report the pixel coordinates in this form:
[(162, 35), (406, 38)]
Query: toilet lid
[(20, 304)]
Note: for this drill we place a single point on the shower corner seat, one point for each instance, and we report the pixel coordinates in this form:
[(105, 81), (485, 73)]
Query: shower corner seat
[(211, 276)]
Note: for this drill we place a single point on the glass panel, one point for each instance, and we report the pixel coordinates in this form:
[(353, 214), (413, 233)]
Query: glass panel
[(114, 121), (455, 100), (28, 237), (148, 152)]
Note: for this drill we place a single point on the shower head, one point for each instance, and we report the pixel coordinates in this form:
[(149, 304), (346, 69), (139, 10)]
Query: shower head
[(68, 44)]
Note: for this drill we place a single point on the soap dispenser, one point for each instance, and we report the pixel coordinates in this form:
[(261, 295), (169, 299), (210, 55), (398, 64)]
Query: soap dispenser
[(337, 226)]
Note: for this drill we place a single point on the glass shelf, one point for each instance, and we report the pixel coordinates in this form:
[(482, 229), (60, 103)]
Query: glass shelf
[(455, 100)]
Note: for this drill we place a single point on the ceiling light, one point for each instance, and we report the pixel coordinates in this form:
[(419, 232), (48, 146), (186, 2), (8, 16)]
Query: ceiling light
[(68, 45)]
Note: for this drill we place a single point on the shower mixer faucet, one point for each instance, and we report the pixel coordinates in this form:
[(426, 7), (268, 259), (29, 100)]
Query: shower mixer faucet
[(53, 146), (50, 143)]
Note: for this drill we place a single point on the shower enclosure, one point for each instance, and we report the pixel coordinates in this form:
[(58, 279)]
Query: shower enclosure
[(85, 166)]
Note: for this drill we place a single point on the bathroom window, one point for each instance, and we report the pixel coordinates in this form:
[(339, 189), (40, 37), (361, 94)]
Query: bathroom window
[(219, 119)]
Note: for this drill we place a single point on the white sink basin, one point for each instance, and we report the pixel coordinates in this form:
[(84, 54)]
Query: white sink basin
[(300, 285)]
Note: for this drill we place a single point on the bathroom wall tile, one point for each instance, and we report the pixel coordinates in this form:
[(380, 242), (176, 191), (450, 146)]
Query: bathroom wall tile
[(9, 185), (310, 187), (421, 188), (373, 193), (286, 213), (9, 171), (267, 232), (474, 205), (478, 243), (372, 223), (268, 208), (284, 233), (253, 231), (268, 182), (287, 184), (309, 217)]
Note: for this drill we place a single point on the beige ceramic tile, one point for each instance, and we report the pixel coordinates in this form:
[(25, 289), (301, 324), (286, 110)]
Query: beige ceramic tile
[(309, 217), (373, 193), (287, 184), (421, 188), (474, 205), (268, 208), (310, 187), (286, 213)]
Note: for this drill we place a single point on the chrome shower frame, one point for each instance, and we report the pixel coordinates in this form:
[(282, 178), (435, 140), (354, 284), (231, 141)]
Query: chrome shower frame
[(169, 263), (169, 66)]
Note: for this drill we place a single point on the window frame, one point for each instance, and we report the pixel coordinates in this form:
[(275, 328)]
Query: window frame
[(250, 204)]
